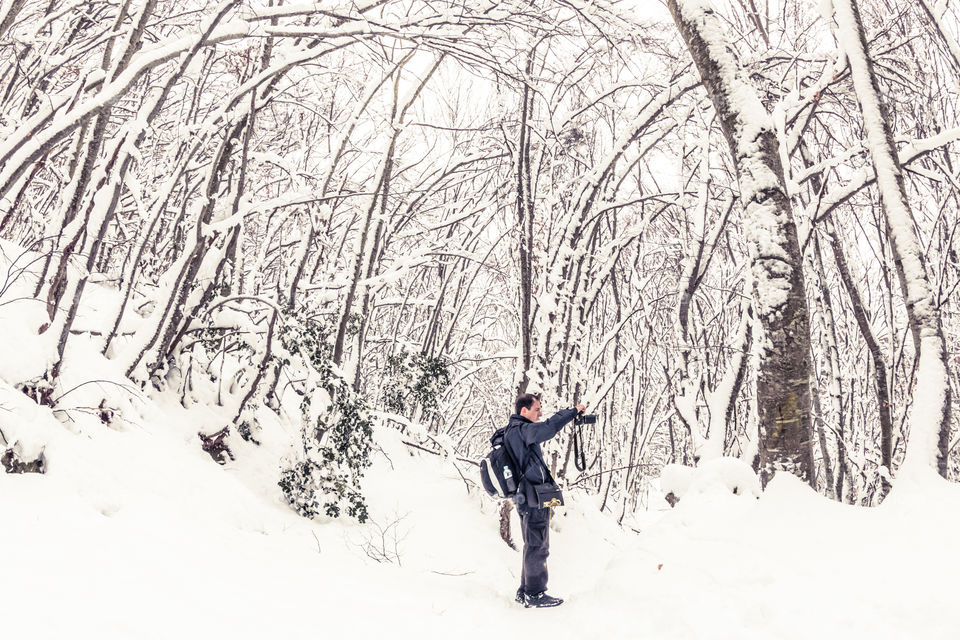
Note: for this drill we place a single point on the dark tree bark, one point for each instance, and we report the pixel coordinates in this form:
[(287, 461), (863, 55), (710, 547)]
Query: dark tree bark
[(525, 224)]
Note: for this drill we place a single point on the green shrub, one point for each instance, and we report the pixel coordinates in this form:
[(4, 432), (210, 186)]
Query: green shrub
[(336, 446)]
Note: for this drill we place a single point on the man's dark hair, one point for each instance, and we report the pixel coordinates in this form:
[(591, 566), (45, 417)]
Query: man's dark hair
[(525, 401)]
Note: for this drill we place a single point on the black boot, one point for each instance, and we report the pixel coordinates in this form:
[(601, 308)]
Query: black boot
[(521, 596), (541, 600)]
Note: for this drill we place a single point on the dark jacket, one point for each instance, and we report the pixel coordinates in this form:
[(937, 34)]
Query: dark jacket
[(523, 439)]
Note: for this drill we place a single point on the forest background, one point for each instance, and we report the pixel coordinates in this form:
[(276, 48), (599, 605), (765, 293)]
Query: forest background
[(729, 231)]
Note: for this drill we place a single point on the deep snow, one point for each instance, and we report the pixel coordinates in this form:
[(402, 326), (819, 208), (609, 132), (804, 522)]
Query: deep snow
[(136, 533)]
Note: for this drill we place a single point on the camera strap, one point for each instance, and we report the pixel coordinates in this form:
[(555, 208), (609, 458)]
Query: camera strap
[(579, 457)]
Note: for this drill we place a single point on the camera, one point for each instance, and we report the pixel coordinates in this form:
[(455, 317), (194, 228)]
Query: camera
[(585, 418)]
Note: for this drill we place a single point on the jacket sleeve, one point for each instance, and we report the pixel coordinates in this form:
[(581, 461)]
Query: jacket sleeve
[(543, 431)]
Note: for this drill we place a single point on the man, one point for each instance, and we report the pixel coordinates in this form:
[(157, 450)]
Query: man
[(523, 436)]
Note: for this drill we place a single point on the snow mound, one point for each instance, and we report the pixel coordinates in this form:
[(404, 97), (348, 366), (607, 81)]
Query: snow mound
[(728, 476)]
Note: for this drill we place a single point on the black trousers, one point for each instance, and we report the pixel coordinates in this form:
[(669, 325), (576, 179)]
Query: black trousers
[(535, 526)]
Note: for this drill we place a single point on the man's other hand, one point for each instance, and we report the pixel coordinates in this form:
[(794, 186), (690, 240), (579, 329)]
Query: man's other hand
[(581, 409)]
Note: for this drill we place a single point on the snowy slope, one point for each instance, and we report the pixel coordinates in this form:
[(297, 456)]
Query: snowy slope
[(136, 533)]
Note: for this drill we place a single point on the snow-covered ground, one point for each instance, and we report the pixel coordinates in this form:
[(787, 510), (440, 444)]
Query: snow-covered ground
[(134, 532)]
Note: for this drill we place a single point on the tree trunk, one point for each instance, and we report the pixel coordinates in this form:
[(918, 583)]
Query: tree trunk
[(930, 413), (525, 224), (783, 391)]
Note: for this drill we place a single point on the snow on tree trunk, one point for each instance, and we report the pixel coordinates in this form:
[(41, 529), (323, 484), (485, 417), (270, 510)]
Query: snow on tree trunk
[(930, 414), (783, 393)]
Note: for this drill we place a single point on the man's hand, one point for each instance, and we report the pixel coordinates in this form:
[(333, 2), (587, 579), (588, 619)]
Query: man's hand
[(581, 409)]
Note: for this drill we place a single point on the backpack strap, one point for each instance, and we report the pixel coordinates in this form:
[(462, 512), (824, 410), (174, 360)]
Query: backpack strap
[(509, 452)]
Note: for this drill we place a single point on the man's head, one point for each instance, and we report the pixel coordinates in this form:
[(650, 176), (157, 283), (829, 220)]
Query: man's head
[(528, 406)]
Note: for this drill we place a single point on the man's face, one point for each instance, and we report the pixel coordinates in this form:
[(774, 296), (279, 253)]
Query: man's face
[(533, 413)]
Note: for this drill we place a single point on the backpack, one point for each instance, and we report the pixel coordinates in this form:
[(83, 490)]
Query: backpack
[(499, 472)]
